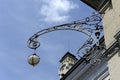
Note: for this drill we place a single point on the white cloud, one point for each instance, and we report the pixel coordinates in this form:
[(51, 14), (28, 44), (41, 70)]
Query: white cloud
[(56, 10)]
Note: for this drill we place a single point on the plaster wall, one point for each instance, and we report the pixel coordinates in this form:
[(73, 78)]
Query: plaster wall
[(111, 23), (114, 67)]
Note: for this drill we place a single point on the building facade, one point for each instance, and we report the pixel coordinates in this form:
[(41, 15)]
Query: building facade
[(111, 23), (66, 62), (92, 66), (106, 62)]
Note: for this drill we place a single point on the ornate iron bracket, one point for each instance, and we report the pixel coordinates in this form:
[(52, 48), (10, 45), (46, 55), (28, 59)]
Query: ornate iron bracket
[(87, 26)]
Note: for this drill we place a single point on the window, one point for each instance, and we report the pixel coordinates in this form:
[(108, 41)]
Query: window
[(67, 67), (62, 67), (70, 64), (71, 60), (68, 59)]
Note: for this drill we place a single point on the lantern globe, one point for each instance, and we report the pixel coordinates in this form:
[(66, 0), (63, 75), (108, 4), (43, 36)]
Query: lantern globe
[(33, 59)]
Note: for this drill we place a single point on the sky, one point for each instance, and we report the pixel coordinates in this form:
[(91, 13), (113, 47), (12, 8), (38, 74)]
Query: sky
[(20, 19)]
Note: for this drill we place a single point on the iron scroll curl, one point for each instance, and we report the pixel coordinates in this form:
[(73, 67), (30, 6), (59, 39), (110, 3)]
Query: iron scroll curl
[(86, 26)]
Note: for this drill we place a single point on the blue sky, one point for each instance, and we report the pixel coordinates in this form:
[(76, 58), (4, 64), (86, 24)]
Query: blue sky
[(20, 19)]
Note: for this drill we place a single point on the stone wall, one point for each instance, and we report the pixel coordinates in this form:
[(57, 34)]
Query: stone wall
[(111, 23)]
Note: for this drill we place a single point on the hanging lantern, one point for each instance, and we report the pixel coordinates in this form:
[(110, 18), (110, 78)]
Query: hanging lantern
[(33, 59)]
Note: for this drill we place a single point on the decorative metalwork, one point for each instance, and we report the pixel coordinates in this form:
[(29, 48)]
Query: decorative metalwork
[(87, 26)]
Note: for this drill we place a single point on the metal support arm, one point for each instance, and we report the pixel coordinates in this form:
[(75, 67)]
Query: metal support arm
[(86, 26)]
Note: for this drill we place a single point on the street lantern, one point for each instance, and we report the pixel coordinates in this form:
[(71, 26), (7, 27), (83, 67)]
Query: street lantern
[(86, 26), (33, 59)]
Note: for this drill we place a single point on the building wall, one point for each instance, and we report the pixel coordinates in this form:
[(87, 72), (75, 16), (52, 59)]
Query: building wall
[(114, 67), (111, 23), (65, 65), (90, 71)]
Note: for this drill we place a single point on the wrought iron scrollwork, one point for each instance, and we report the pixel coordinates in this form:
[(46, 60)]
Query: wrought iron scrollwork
[(87, 26)]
